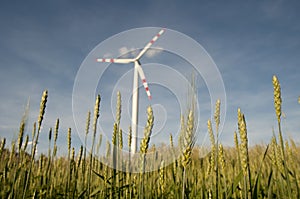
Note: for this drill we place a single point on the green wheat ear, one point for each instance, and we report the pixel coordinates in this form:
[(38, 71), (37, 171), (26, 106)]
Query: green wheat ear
[(162, 178), (21, 134), (88, 121), (73, 154), (221, 157), (79, 157), (69, 140), (3, 142), (118, 108), (42, 109), (120, 138), (279, 158), (277, 97), (129, 137), (2, 146), (181, 136), (96, 113), (244, 141), (12, 153), (212, 143), (273, 146), (217, 115), (171, 141), (188, 140), (115, 134), (56, 130), (147, 131), (237, 148), (236, 141)]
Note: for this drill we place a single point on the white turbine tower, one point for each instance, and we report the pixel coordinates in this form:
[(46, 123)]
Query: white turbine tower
[(138, 71)]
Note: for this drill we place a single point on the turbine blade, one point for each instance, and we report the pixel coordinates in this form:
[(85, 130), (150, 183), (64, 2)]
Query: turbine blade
[(121, 61), (150, 44), (143, 78)]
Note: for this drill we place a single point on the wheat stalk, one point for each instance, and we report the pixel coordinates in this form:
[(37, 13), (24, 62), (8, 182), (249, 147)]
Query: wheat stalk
[(244, 151), (69, 142), (87, 128), (188, 144), (213, 145), (96, 116), (40, 119), (144, 145), (217, 122), (47, 177), (174, 157), (69, 163), (188, 140), (277, 105)]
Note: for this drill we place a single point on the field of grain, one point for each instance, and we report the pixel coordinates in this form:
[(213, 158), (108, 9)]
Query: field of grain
[(261, 171)]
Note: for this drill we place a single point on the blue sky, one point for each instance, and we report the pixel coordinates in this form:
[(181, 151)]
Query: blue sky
[(43, 44)]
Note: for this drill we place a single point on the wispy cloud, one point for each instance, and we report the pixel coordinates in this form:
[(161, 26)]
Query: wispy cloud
[(128, 53), (133, 52), (154, 51)]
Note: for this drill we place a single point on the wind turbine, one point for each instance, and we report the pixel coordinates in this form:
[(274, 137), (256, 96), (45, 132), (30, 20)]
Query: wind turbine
[(138, 71)]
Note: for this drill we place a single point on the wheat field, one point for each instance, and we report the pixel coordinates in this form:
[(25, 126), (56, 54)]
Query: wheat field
[(240, 171)]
